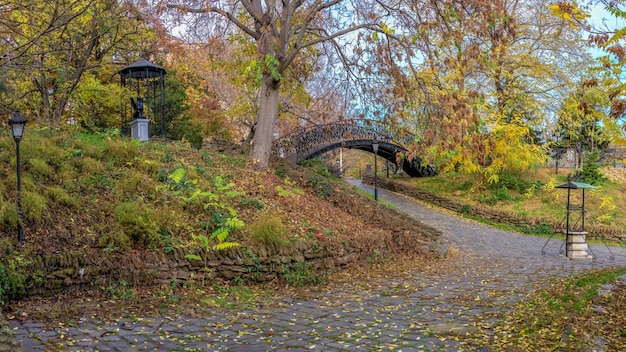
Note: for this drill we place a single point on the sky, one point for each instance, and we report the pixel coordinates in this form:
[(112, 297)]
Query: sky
[(603, 19)]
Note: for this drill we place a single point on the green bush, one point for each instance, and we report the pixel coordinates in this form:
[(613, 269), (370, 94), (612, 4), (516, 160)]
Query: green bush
[(133, 183), (60, 196), (90, 165), (35, 206), (255, 203), (39, 167), (46, 149), (466, 186), (321, 188), (513, 181), (217, 219), (268, 230), (465, 209), (148, 167), (98, 181), (9, 215), (137, 221), (12, 279), (543, 228), (316, 165), (119, 152), (115, 239), (169, 222), (501, 194), (65, 172), (280, 172), (90, 145), (206, 157)]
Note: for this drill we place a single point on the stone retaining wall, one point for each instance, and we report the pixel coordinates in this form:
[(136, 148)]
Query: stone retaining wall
[(503, 217), (95, 268)]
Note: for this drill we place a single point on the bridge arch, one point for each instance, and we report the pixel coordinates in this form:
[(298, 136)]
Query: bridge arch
[(313, 141)]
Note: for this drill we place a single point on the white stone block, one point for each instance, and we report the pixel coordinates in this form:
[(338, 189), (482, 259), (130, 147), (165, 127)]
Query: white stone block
[(577, 246), (139, 129)]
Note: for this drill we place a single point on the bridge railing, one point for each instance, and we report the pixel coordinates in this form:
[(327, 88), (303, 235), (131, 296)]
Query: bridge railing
[(314, 136)]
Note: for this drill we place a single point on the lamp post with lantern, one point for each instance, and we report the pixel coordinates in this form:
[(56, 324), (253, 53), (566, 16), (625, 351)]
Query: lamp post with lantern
[(18, 123), (375, 145)]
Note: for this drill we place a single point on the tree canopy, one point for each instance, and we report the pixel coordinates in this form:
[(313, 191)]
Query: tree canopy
[(481, 85)]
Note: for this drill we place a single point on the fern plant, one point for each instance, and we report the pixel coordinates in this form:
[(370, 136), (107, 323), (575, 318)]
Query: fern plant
[(177, 182), (203, 241), (219, 228), (222, 234)]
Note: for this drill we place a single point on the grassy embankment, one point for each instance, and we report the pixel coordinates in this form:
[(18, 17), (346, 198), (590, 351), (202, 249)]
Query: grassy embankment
[(105, 193), (533, 194)]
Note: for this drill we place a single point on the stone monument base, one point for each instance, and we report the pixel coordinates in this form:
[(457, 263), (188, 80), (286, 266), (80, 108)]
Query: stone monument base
[(577, 245), (139, 129)]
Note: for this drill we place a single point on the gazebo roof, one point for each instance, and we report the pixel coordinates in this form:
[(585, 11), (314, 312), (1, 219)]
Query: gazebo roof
[(576, 185), (142, 68)]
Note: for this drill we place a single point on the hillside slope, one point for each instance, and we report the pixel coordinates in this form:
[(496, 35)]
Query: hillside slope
[(102, 194)]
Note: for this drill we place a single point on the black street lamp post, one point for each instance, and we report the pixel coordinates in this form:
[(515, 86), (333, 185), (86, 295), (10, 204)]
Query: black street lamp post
[(375, 145), (18, 123)]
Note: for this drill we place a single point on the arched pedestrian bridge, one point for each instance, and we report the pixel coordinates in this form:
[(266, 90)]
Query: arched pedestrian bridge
[(313, 141)]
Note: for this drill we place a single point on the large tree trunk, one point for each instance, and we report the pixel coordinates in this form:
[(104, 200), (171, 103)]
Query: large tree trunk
[(264, 133)]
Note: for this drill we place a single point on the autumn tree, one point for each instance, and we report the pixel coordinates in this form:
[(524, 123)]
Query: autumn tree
[(584, 118), (608, 34), (474, 78), (220, 77), (51, 45), (281, 31)]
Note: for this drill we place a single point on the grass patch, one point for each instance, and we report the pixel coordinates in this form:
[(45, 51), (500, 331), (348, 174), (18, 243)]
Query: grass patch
[(560, 317), (301, 274), (61, 196), (9, 215), (138, 223), (35, 206), (533, 194)]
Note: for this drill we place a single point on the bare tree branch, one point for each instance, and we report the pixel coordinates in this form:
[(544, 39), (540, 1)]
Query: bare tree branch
[(219, 11)]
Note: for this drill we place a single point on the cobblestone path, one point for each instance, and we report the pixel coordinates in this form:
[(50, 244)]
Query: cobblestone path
[(424, 312)]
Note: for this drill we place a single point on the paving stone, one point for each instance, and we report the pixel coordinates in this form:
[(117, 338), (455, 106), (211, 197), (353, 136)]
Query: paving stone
[(499, 266)]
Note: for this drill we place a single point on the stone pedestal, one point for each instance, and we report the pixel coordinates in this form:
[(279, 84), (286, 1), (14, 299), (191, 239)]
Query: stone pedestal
[(577, 245), (139, 129)]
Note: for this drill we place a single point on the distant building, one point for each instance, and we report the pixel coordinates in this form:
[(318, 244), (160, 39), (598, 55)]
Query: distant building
[(573, 158)]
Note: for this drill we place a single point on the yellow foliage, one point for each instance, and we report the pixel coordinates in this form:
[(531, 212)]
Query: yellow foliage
[(607, 203), (568, 11), (510, 150)]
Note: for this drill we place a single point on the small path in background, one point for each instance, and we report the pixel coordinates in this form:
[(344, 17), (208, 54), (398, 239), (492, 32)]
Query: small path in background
[(485, 271)]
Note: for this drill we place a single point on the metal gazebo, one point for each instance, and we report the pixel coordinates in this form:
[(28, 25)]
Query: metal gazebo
[(575, 234), (146, 82)]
